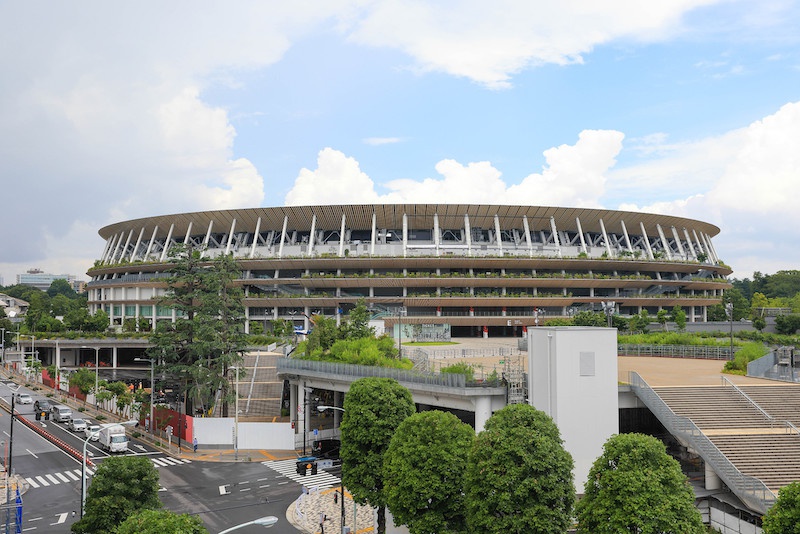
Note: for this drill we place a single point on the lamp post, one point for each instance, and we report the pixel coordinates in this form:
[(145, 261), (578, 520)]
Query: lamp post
[(265, 522), (400, 311), (729, 312), (10, 454), (152, 389), (96, 371), (3, 346), (83, 470), (236, 418), (322, 408), (609, 308)]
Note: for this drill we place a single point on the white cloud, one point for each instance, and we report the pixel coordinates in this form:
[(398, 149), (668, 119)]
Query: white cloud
[(336, 180), (376, 141)]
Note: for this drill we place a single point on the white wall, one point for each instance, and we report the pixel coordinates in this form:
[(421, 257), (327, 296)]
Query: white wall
[(573, 378), (218, 431)]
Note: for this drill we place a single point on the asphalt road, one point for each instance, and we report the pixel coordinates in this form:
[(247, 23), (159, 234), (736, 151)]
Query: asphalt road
[(222, 494)]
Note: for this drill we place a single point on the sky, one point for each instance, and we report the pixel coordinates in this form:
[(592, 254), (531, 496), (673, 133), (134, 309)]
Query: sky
[(111, 111)]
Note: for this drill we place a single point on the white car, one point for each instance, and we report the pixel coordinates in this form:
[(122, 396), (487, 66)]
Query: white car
[(24, 398), (92, 430), (77, 425)]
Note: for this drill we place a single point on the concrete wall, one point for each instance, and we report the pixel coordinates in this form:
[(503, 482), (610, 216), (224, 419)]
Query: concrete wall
[(573, 378), (217, 432)]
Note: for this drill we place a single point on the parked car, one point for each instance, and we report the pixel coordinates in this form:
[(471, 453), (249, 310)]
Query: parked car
[(60, 413), (42, 405), (92, 431), (326, 448), (24, 398), (76, 424)]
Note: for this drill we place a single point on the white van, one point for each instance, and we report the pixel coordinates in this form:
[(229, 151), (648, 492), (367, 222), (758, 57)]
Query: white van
[(60, 413)]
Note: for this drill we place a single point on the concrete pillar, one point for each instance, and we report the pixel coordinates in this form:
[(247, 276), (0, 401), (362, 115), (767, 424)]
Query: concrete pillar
[(337, 415), (483, 411), (713, 481)]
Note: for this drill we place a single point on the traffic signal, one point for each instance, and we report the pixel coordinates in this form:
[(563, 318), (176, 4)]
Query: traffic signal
[(313, 467)]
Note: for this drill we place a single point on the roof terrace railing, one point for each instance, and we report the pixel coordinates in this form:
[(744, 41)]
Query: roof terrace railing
[(290, 365), (753, 492)]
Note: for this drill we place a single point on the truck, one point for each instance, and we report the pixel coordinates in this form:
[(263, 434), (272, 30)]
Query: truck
[(113, 439)]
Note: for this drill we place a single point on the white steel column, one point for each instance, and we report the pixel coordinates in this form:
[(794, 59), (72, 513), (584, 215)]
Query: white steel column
[(188, 234), (468, 234), (283, 235), (374, 231), (255, 238), (112, 246), (528, 240), (436, 240), (710, 246), (681, 250), (646, 241), (341, 236), (405, 234), (104, 256), (664, 241), (207, 238), (689, 243), (555, 235), (498, 234), (605, 238), (627, 238), (699, 244), (150, 243), (138, 242), (125, 248), (580, 234), (311, 236), (117, 247), (166, 242), (230, 237)]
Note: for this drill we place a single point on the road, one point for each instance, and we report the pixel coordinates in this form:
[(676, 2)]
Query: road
[(222, 494)]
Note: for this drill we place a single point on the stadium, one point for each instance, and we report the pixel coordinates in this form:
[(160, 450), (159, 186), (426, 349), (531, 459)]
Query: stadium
[(430, 271)]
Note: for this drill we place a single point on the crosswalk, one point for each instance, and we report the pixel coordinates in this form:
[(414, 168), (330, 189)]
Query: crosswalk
[(74, 475), (288, 468)]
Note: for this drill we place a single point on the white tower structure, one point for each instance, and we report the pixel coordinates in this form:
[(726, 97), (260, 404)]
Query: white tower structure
[(573, 379)]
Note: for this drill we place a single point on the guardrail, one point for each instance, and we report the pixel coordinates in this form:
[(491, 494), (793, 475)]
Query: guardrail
[(746, 397), (288, 365), (753, 492), (700, 352)]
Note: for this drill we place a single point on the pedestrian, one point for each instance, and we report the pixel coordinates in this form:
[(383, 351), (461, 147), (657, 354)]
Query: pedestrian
[(194, 443)]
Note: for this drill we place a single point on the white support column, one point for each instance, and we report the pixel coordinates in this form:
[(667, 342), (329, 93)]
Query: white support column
[(468, 234), (150, 243), (646, 241), (436, 241), (125, 247), (114, 355), (605, 239), (112, 244), (138, 242), (294, 407), (681, 250), (580, 234), (528, 240), (483, 411), (255, 238), (230, 237), (405, 234), (166, 242), (341, 235), (627, 237), (497, 233), (117, 247), (188, 234), (555, 235), (312, 235), (689, 243), (283, 236), (664, 241), (207, 238), (699, 244), (104, 256), (710, 247), (374, 232)]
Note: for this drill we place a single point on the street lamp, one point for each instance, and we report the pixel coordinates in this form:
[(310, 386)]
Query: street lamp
[(729, 312), (265, 522), (152, 389), (96, 370), (322, 408), (609, 308), (236, 418), (83, 470), (3, 346), (400, 311)]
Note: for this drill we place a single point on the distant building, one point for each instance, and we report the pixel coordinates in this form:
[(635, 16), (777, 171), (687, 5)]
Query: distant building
[(41, 280), (12, 306)]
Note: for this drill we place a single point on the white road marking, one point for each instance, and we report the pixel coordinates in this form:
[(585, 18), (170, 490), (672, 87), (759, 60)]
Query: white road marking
[(61, 519)]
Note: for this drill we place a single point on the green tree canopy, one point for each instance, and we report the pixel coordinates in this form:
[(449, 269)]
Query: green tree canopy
[(374, 408), (636, 487), (784, 516), (519, 476), (161, 522), (83, 379), (424, 472), (61, 287), (678, 316), (121, 486)]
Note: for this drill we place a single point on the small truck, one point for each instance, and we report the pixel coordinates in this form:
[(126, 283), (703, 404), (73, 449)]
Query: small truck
[(113, 439)]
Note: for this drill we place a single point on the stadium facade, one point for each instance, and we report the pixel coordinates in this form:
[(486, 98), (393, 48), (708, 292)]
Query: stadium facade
[(437, 269)]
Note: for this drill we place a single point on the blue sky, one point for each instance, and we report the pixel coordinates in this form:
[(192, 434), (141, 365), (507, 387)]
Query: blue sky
[(118, 111)]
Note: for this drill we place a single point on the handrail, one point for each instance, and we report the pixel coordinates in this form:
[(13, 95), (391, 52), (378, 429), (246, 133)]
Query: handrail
[(752, 491), (725, 380), (792, 427)]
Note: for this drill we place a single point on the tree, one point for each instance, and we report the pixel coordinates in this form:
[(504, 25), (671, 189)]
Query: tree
[(161, 522), (357, 324), (588, 318), (636, 487), (61, 287), (678, 316), (121, 486), (784, 516), (83, 379), (207, 338), (640, 323), (662, 317), (460, 368), (424, 472), (374, 408), (759, 323), (519, 476), (741, 306)]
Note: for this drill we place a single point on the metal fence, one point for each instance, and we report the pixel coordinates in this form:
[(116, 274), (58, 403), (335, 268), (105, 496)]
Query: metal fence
[(776, 365), (701, 352), (753, 492), (289, 365)]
